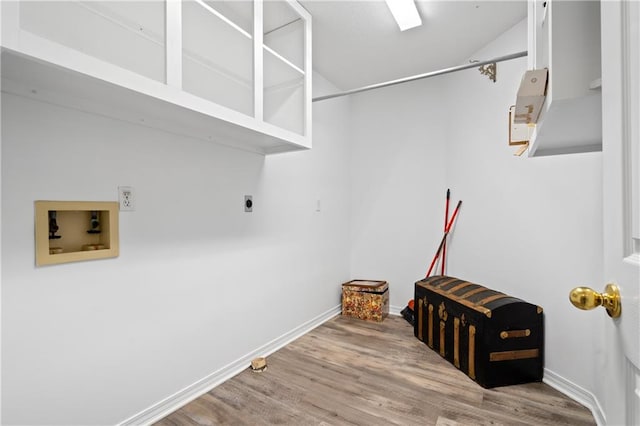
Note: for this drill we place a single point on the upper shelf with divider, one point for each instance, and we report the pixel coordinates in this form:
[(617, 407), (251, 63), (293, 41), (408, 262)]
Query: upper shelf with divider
[(564, 36), (237, 72)]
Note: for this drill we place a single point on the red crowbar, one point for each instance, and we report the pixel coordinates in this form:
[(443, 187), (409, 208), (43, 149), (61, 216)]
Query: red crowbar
[(444, 238)]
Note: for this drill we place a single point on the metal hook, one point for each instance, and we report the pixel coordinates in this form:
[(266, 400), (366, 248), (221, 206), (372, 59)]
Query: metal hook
[(490, 70)]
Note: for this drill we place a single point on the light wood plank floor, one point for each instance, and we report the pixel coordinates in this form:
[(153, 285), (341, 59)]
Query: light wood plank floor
[(349, 371)]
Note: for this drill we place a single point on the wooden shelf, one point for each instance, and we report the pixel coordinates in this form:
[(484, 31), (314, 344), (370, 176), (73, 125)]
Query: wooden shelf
[(157, 106), (278, 71), (127, 34), (67, 67), (565, 38), (569, 127), (284, 35), (283, 94), (72, 231), (217, 58)]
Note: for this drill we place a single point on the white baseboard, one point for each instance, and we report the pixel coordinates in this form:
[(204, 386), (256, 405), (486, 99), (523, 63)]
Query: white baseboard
[(204, 385), (576, 393), (395, 310)]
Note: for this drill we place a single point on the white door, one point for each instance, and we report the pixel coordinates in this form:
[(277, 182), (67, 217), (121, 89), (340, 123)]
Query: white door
[(620, 378)]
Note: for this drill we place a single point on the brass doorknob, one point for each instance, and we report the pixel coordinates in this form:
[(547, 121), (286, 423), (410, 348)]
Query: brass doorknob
[(586, 298)]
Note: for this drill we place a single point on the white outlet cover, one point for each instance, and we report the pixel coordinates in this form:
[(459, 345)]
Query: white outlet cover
[(126, 198)]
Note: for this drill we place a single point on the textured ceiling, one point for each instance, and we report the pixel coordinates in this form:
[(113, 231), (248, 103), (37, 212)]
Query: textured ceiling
[(356, 43)]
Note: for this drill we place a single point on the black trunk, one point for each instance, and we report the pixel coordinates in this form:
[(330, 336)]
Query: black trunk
[(495, 339)]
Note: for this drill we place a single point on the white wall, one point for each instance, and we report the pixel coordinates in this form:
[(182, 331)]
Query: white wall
[(529, 227), (198, 284), (397, 184)]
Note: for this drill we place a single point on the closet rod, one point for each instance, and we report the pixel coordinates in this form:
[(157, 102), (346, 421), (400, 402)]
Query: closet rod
[(421, 76)]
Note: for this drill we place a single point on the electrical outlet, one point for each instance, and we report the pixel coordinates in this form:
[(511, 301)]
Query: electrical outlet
[(248, 203), (126, 198)]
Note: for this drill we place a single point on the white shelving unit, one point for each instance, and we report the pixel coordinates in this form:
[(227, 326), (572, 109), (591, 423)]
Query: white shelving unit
[(284, 66), (564, 36), (229, 71)]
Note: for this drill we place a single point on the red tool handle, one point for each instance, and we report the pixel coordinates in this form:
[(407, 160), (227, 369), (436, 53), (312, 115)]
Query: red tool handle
[(446, 219), (444, 238)]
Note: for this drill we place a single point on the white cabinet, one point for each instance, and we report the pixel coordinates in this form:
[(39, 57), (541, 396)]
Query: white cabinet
[(564, 36), (237, 72), (284, 66), (217, 54)]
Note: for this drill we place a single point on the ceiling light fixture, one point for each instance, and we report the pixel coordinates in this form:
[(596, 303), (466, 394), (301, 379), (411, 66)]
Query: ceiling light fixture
[(405, 13)]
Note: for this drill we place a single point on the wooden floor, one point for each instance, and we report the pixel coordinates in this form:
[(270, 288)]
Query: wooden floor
[(349, 371)]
